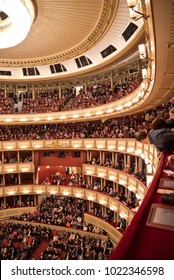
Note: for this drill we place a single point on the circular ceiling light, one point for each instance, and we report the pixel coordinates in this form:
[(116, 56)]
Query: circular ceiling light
[(16, 18)]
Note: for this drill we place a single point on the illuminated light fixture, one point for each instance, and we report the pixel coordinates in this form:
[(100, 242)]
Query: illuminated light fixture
[(138, 152), (22, 119), (146, 160), (102, 201), (78, 195), (130, 150), (11, 192), (143, 52), (76, 145), (36, 119), (87, 114), (119, 108), (138, 196), (39, 191), (113, 208), (88, 146), (98, 113), (128, 104), (149, 169), (19, 17), (143, 85), (112, 177), (50, 118), (132, 4), (140, 94), (144, 74), (122, 182), (75, 116), (121, 148), (24, 169), (123, 215), (23, 146), (63, 117), (101, 174), (100, 146), (90, 198), (48, 167), (9, 147), (135, 100), (52, 192), (89, 172), (65, 193), (109, 111), (37, 146), (8, 120), (111, 147), (25, 191), (142, 156), (10, 170), (131, 188)]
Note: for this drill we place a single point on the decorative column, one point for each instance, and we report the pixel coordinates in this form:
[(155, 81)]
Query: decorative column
[(60, 90), (112, 79), (86, 85)]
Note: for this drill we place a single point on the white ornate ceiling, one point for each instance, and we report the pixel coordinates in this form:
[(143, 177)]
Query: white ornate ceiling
[(66, 29)]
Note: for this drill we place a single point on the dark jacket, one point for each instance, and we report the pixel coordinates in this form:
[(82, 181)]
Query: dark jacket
[(170, 123), (162, 139)]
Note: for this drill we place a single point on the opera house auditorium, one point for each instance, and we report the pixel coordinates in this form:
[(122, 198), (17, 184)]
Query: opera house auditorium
[(86, 130)]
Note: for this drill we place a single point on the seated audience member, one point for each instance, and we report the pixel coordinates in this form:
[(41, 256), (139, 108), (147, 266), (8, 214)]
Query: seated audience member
[(162, 139)]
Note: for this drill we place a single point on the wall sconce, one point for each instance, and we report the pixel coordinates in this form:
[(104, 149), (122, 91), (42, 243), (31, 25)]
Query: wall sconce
[(144, 74), (112, 177), (122, 182), (88, 146), (63, 117), (87, 114), (50, 118), (101, 174), (143, 52), (143, 86), (75, 116), (102, 201), (130, 150), (89, 172), (111, 147), (132, 4), (36, 119), (119, 108), (109, 111)]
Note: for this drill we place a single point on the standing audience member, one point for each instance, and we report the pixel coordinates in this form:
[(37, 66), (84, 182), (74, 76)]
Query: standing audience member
[(162, 139)]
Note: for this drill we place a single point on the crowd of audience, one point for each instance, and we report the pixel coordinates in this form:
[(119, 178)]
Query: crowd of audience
[(69, 212), (69, 99), (79, 180), (140, 174), (123, 127), (19, 242), (103, 94), (73, 246)]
